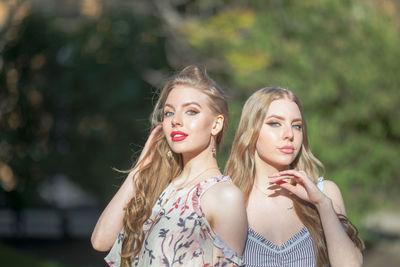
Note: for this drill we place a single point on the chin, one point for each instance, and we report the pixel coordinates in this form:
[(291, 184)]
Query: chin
[(176, 150), (180, 149), (283, 164), (177, 147), (188, 151)]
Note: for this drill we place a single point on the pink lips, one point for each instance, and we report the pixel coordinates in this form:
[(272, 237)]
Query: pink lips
[(178, 136), (287, 149)]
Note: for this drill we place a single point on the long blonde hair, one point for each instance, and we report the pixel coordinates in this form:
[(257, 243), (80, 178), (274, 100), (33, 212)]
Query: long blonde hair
[(241, 164), (151, 179)]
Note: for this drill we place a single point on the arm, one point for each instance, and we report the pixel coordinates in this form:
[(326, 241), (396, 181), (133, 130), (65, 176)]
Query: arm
[(110, 223), (225, 209), (341, 250)]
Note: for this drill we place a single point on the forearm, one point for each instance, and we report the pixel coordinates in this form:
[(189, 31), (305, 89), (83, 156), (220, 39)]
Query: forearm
[(341, 250), (110, 222)]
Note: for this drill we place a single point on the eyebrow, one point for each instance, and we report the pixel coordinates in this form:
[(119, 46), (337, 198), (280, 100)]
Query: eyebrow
[(185, 104), (282, 118)]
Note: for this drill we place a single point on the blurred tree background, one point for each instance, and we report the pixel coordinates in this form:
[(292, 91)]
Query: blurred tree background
[(340, 58), (76, 86)]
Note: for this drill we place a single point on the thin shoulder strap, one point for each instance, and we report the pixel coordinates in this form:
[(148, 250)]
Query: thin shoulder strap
[(320, 184), (206, 184)]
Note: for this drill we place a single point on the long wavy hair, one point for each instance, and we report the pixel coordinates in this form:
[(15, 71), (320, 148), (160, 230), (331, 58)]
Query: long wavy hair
[(241, 165), (151, 179)]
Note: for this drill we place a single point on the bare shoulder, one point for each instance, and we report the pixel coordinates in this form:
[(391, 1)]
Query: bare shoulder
[(223, 198), (224, 193), (332, 191), (225, 209)]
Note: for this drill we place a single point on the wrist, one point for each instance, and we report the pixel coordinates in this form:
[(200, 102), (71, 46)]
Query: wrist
[(324, 203)]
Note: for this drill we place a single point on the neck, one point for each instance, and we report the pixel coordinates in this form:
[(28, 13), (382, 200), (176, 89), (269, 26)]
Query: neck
[(263, 169), (196, 164)]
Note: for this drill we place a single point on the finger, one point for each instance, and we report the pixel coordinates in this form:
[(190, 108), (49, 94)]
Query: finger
[(156, 129), (302, 178), (293, 172), (301, 175), (279, 182), (273, 187), (153, 133), (150, 140), (288, 186), (286, 178), (277, 174), (294, 189), (288, 172)]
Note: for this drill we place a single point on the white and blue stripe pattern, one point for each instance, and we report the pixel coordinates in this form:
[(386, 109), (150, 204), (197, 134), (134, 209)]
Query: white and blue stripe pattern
[(298, 251)]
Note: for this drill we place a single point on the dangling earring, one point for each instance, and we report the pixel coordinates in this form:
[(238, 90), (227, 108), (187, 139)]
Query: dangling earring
[(169, 154), (214, 152)]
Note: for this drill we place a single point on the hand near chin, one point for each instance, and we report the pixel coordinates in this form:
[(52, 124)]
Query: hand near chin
[(148, 144), (304, 187)]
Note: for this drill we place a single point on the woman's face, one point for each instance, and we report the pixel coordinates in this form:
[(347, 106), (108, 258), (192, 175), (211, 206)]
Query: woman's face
[(188, 121), (281, 134)]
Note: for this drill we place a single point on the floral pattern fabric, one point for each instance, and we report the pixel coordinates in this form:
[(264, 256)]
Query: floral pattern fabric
[(178, 234)]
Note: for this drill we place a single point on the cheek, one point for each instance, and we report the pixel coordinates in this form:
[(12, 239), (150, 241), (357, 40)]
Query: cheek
[(265, 141), (195, 125), (165, 127), (268, 137), (299, 140), (201, 125)]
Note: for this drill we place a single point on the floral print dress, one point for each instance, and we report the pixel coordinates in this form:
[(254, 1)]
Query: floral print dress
[(178, 234)]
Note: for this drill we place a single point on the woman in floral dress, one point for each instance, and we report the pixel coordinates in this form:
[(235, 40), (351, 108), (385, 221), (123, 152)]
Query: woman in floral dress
[(175, 208)]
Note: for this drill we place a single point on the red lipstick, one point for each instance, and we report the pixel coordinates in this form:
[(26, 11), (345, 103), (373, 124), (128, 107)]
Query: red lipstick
[(178, 136), (287, 149)]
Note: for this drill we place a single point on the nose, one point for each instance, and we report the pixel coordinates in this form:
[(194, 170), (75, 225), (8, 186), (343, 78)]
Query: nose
[(288, 133), (176, 120)]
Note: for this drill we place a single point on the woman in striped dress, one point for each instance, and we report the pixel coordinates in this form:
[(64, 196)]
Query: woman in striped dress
[(296, 218)]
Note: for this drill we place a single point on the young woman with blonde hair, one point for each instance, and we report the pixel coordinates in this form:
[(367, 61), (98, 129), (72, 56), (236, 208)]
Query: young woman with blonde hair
[(175, 208), (296, 218)]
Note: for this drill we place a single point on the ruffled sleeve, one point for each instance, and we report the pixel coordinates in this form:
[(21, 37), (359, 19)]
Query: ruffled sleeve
[(113, 258), (320, 184), (223, 255)]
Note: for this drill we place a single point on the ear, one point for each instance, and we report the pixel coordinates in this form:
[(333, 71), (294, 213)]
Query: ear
[(218, 125)]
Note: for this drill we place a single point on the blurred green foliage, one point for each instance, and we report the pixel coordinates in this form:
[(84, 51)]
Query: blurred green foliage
[(341, 59), (77, 100)]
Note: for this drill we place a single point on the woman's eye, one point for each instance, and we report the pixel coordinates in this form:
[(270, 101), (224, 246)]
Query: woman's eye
[(192, 112), (168, 114), (273, 124), (297, 126)]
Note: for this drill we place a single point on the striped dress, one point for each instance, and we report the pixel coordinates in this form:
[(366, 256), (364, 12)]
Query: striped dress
[(298, 251)]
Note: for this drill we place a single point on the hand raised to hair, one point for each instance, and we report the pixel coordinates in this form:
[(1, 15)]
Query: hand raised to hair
[(148, 144), (304, 188)]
